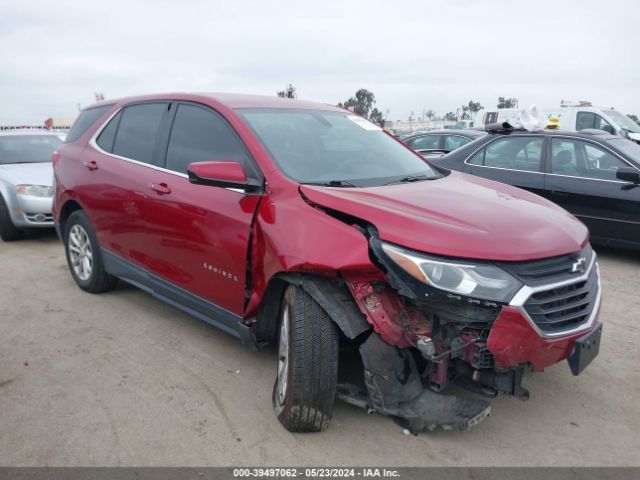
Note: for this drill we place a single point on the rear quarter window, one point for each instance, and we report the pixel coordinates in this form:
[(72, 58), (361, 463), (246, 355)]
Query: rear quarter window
[(84, 121)]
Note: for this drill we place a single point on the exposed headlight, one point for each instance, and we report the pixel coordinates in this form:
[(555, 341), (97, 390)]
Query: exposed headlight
[(484, 281), (35, 190)]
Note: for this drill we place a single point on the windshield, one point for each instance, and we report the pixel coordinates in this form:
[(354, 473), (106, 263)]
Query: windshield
[(27, 148), (623, 121), (630, 148), (327, 147)]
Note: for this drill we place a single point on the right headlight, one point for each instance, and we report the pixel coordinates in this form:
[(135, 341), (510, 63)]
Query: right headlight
[(476, 280)]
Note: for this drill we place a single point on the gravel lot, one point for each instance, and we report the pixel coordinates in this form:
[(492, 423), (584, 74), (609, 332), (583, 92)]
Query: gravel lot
[(123, 379)]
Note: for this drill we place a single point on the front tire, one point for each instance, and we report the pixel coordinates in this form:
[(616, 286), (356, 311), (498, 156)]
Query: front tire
[(83, 255), (305, 387), (8, 231)]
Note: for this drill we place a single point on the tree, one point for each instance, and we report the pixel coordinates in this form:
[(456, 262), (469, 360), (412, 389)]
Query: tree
[(450, 116), (634, 118), (289, 92), (430, 114), (504, 102), (376, 116), (361, 104), (470, 109)]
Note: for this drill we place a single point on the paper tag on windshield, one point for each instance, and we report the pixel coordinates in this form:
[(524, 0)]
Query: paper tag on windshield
[(362, 122)]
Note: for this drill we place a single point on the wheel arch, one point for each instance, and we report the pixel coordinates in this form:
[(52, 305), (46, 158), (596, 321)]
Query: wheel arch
[(330, 293), (67, 209)]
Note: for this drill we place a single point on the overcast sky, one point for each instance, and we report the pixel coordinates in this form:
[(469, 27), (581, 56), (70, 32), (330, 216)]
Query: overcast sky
[(414, 55)]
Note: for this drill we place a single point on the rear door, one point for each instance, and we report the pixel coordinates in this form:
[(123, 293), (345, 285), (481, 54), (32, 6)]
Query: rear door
[(582, 179), (199, 235), (123, 156), (514, 159)]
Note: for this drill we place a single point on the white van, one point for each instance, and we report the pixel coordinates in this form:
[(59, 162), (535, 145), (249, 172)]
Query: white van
[(570, 116)]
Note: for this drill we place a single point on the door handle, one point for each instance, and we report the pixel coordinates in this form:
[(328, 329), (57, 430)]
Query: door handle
[(161, 188), (92, 165)]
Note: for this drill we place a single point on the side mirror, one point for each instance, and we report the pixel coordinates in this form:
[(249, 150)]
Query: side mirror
[(608, 129), (628, 174), (226, 174)]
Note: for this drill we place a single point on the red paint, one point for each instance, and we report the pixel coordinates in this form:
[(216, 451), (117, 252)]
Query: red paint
[(513, 341), (461, 216), (225, 171), (199, 237)]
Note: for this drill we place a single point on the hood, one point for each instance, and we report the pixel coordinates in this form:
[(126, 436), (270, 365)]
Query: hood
[(460, 216), (28, 173)]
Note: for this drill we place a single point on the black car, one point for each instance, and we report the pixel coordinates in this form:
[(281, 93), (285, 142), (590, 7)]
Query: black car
[(435, 143), (591, 173)]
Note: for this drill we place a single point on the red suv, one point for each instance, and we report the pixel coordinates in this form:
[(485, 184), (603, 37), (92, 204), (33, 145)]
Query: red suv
[(381, 278)]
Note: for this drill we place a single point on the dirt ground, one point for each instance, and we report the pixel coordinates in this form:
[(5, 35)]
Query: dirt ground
[(123, 379)]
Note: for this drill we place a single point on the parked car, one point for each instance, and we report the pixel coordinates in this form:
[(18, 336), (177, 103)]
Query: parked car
[(300, 224), (436, 143), (26, 180), (592, 174), (570, 117)]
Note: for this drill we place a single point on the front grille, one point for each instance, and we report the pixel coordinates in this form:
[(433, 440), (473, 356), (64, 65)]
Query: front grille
[(549, 270), (566, 307)]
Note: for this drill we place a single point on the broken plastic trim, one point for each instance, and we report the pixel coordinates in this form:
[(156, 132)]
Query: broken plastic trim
[(394, 388)]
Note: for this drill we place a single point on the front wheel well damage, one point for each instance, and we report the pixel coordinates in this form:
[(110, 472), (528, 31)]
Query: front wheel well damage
[(372, 373), (331, 293)]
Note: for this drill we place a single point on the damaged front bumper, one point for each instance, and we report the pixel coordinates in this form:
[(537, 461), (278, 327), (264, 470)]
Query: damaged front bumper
[(424, 341)]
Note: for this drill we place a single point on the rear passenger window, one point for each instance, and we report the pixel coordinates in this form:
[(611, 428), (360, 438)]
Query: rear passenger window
[(513, 153), (137, 131), (108, 134), (84, 121), (199, 134)]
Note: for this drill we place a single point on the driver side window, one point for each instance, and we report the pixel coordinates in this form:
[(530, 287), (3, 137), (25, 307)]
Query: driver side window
[(577, 158), (591, 120)]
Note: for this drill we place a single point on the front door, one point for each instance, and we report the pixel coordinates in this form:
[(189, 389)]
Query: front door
[(582, 179), (200, 234)]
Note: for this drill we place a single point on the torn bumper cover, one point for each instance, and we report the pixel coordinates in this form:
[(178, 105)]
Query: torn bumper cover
[(395, 388)]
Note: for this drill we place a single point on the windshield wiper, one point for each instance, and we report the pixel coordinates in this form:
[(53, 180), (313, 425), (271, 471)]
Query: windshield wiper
[(411, 178), (333, 183)]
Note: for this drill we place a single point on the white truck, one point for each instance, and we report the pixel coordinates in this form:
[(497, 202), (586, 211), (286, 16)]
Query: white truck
[(572, 116)]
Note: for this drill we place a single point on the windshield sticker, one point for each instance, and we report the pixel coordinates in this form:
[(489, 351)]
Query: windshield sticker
[(362, 122)]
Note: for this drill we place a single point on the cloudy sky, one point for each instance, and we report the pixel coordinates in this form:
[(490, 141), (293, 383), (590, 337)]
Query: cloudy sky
[(414, 55)]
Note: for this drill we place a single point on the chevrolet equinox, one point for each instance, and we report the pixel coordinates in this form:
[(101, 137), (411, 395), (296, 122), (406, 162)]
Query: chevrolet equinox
[(382, 279)]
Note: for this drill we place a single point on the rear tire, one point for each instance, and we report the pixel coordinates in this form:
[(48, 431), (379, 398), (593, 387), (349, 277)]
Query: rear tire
[(305, 387), (83, 255), (8, 231)]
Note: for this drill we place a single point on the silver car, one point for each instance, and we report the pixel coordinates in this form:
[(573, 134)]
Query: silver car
[(26, 180)]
